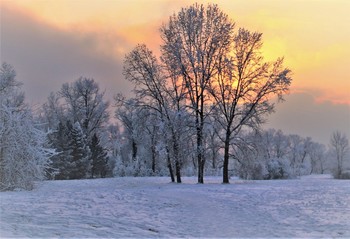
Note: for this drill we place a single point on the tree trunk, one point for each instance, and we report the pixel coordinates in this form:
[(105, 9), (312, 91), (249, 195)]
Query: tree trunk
[(213, 158), (178, 171), (176, 156), (134, 150), (322, 169), (201, 161), (153, 149), (226, 158), (312, 169), (171, 172), (200, 156), (2, 159)]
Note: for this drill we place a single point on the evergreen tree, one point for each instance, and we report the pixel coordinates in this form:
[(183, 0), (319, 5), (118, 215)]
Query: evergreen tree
[(99, 158), (60, 140), (80, 163)]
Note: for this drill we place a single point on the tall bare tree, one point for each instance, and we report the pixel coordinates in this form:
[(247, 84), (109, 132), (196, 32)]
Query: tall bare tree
[(194, 42), (243, 87), (159, 92)]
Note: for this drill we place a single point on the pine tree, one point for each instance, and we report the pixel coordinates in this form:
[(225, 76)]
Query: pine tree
[(80, 164), (99, 158), (60, 140)]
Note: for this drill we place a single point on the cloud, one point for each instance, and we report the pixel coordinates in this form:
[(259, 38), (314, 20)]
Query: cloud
[(46, 56), (302, 114)]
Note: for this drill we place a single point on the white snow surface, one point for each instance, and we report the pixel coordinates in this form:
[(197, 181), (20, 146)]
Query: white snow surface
[(313, 207)]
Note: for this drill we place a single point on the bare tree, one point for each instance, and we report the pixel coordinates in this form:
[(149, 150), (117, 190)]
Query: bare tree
[(243, 88), (194, 42), (318, 158), (85, 104), (340, 147), (52, 112), (129, 115), (160, 94)]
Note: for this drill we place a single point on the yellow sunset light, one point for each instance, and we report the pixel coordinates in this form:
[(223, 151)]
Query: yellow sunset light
[(313, 36)]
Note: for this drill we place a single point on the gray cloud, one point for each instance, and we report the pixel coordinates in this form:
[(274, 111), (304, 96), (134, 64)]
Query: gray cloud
[(301, 114), (45, 56)]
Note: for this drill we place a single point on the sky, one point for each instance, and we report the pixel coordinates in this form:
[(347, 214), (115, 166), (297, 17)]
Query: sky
[(51, 42)]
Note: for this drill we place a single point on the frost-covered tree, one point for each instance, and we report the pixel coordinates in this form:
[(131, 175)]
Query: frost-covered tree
[(160, 95), (61, 138), (142, 69), (152, 130), (299, 155), (271, 154), (114, 146), (78, 102), (129, 115), (340, 147), (99, 158), (139, 147), (243, 88), (194, 42), (318, 158), (53, 112), (250, 155), (213, 145), (85, 104), (80, 164), (23, 155)]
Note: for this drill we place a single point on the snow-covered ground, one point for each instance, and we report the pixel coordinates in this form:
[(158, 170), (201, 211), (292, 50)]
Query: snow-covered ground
[(152, 207)]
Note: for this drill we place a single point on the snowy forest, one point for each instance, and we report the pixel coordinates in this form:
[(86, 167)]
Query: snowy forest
[(198, 109)]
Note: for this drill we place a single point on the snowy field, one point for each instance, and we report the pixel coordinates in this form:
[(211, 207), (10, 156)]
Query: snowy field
[(315, 206)]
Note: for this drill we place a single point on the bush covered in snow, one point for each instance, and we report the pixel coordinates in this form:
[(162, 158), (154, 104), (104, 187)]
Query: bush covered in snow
[(277, 169), (250, 170)]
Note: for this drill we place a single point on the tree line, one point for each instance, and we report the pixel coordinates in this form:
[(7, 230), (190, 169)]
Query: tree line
[(198, 106)]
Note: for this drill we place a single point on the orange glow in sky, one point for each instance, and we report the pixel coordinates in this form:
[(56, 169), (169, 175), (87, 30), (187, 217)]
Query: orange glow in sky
[(313, 36), (50, 42)]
